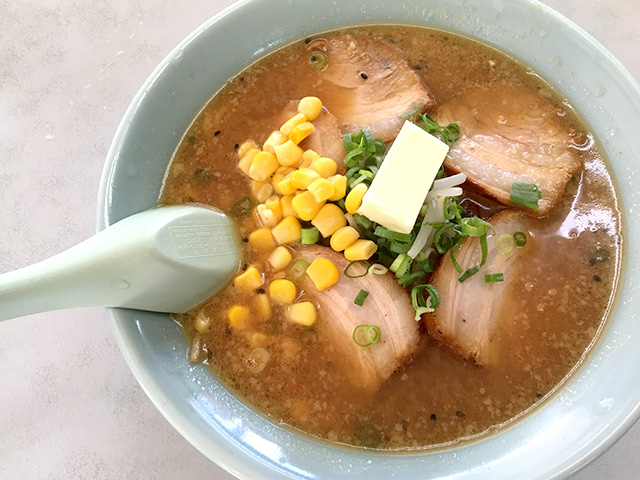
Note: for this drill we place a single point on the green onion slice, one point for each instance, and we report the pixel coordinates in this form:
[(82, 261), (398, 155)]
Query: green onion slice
[(397, 262), (365, 335), (318, 60), (599, 256), (242, 207), (405, 266), (308, 336), (484, 248), (469, 272), (474, 226), (363, 221), (309, 236), (494, 277), (412, 112), (202, 176), (298, 268), (383, 232), (409, 278), (351, 264), (520, 238), (452, 252), (526, 194), (421, 303), (369, 435), (506, 243), (361, 297), (377, 269)]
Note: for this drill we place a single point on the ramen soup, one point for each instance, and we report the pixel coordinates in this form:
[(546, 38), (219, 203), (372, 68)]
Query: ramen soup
[(430, 237)]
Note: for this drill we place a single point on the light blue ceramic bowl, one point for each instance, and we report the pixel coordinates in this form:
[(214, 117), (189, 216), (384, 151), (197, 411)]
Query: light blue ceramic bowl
[(595, 406)]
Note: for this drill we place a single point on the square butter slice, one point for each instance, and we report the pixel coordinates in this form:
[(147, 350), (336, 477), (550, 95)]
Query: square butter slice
[(401, 185)]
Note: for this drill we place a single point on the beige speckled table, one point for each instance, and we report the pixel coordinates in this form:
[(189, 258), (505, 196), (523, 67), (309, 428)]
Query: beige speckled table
[(69, 407)]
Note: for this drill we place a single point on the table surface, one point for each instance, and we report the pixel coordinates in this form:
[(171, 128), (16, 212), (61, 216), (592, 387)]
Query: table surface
[(69, 407)]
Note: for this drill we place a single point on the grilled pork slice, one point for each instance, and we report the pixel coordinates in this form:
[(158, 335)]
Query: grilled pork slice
[(472, 314), (367, 84), (388, 306), (510, 134)]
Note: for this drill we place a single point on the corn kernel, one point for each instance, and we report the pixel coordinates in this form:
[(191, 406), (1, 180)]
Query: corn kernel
[(247, 159), (249, 280), (307, 158), (329, 220), (285, 206), (268, 217), (321, 189), (264, 164), (262, 305), (278, 176), (280, 258), (261, 190), (343, 238), (310, 107), (244, 148), (360, 250), (282, 291), (285, 186), (339, 183), (288, 126), (287, 231), (323, 273), (303, 313), (262, 240), (288, 154), (258, 340), (354, 199), (276, 138), (303, 177), (202, 322), (301, 132), (324, 166), (239, 316), (305, 206)]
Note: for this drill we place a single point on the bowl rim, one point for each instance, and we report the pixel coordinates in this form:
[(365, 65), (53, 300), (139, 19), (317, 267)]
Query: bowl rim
[(245, 466)]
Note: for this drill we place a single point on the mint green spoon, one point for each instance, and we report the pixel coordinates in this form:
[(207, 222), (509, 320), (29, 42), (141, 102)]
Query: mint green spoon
[(168, 259)]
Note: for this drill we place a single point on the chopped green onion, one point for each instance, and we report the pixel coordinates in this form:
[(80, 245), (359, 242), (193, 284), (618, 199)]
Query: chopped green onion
[(469, 272), (520, 238), (494, 277), (405, 266), (298, 268), (526, 194), (383, 232), (506, 243), (422, 304), (318, 60), (412, 112), (363, 221), (361, 297), (309, 336), (599, 256), (397, 262), (191, 139), (365, 335), (369, 435), (450, 208), (409, 278), (377, 269), (202, 176), (484, 248), (242, 207), (348, 267), (452, 252), (309, 236), (361, 147), (474, 226), (439, 237), (447, 133)]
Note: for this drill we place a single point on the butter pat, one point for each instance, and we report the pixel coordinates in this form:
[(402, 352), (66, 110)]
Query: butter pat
[(401, 185)]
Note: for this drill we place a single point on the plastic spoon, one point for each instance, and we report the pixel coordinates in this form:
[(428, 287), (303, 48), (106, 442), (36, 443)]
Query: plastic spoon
[(168, 259)]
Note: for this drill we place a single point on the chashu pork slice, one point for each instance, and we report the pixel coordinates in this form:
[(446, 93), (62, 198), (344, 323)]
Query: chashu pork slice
[(388, 306), (326, 139), (510, 134), (473, 314), (368, 84)]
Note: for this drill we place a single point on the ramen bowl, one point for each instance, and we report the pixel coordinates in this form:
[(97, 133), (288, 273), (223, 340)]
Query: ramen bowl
[(591, 410)]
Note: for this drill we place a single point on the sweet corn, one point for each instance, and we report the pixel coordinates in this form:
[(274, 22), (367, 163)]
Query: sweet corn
[(303, 313), (244, 148), (282, 291), (286, 185), (268, 217), (288, 126), (239, 316), (262, 240), (280, 258), (287, 231), (278, 176), (339, 183), (262, 305), (321, 189), (247, 159), (285, 206), (323, 273), (249, 280), (329, 220), (306, 206), (273, 204), (264, 164), (354, 199), (258, 340), (360, 250), (324, 166), (289, 153), (303, 177), (261, 190), (307, 158), (276, 138), (343, 238), (310, 107), (301, 132)]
